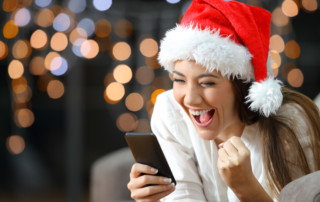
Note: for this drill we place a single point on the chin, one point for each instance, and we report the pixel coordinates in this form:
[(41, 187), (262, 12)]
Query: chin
[(207, 135)]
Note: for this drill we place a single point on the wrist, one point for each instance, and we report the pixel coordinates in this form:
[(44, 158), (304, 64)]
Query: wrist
[(252, 192)]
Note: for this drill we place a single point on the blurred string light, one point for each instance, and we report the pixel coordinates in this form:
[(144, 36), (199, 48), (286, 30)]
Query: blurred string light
[(3, 50), (15, 144), (38, 39), (102, 5), (310, 5), (88, 25), (77, 6), (22, 17), (42, 3), (173, 1), (61, 22)]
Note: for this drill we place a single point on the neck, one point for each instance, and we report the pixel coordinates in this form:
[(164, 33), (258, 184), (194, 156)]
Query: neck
[(232, 130)]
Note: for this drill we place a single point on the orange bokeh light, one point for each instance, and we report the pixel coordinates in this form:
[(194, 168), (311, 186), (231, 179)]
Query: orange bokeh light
[(38, 39), (59, 41), (15, 69), (10, 29), (15, 144), (148, 47), (121, 51), (3, 50)]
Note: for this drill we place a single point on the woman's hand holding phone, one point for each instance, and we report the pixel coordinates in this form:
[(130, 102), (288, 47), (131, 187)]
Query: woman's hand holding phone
[(146, 186)]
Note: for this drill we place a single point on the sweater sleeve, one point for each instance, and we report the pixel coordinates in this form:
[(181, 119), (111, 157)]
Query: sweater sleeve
[(168, 125)]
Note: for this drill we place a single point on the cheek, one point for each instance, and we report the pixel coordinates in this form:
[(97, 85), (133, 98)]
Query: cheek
[(177, 93)]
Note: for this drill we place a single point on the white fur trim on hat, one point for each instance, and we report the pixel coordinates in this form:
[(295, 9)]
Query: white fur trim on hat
[(265, 96), (207, 48)]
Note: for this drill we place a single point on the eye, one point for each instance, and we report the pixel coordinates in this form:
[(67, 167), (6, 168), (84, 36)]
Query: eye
[(208, 83), (178, 80)]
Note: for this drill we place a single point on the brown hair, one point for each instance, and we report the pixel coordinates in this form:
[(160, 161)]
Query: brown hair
[(280, 140)]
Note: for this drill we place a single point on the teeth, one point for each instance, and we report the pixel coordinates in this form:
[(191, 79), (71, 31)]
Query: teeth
[(197, 113)]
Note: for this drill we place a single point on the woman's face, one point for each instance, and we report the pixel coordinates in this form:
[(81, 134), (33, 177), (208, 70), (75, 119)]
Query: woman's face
[(208, 99)]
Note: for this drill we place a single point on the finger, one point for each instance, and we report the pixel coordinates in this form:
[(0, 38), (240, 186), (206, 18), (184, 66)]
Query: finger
[(151, 179), (223, 156), (230, 149), (238, 144), (150, 191), (157, 197), (138, 168)]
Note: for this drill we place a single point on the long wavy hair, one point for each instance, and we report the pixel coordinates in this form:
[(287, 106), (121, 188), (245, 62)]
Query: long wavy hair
[(282, 146)]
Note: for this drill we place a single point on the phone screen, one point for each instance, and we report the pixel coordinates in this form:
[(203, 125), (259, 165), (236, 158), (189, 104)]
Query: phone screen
[(146, 150)]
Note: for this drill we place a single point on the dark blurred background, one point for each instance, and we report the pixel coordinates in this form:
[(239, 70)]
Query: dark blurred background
[(75, 75)]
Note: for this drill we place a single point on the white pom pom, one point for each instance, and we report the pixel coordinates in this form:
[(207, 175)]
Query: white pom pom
[(265, 97)]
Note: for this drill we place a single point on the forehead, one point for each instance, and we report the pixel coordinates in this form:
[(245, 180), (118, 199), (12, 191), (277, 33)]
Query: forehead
[(190, 67)]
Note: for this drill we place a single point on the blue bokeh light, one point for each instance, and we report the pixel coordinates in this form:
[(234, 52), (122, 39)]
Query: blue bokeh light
[(102, 5), (88, 25)]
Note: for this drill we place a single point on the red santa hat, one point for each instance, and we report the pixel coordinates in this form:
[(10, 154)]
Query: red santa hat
[(232, 38)]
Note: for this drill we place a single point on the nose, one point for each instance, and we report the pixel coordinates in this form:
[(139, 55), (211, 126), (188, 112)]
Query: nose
[(192, 96)]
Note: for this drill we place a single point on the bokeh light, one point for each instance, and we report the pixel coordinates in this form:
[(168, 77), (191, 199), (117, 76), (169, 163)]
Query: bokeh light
[(123, 28), (21, 49), (19, 85), (122, 73), (59, 41), (292, 49), (290, 8), (55, 89), (173, 1), (78, 36), (115, 91), (89, 49), (277, 43), (61, 22), (102, 5), (36, 66), (144, 75), (23, 97), (276, 58), (279, 18), (15, 144), (88, 25), (121, 51), (44, 17), (310, 5), (155, 94), (52, 61), (42, 3), (61, 68), (38, 39), (10, 29), (22, 17), (23, 117), (15, 69), (77, 6), (148, 47), (134, 102), (102, 28), (3, 50), (9, 5), (127, 122), (295, 77)]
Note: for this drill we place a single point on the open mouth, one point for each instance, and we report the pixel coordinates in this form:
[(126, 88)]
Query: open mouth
[(202, 118)]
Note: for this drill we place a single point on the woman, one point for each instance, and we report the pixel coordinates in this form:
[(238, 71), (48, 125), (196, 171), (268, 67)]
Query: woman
[(229, 130)]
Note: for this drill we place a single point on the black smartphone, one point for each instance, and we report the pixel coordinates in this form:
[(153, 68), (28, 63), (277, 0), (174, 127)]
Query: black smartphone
[(146, 150)]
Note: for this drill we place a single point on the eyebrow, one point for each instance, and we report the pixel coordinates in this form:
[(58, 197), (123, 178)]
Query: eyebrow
[(200, 76)]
